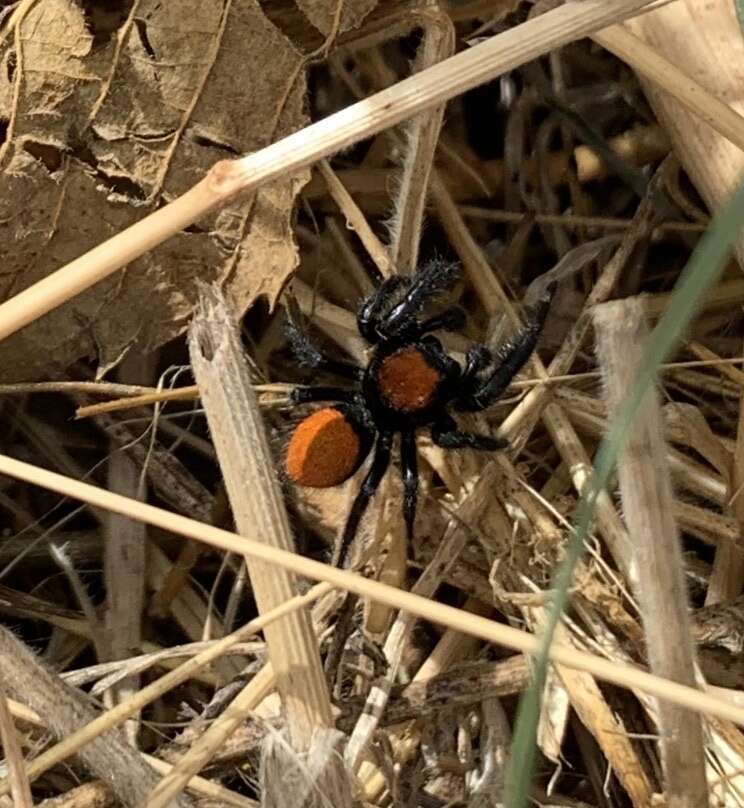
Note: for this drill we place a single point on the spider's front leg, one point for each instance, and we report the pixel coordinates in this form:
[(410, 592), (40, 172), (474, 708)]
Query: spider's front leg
[(373, 308), (480, 389), (432, 279)]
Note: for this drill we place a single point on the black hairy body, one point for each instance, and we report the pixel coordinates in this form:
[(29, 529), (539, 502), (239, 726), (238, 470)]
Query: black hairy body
[(409, 383)]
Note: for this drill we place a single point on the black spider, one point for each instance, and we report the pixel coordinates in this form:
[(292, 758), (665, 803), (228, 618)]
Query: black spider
[(409, 382)]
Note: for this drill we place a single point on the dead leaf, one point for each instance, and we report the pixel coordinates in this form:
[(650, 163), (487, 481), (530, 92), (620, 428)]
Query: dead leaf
[(109, 117)]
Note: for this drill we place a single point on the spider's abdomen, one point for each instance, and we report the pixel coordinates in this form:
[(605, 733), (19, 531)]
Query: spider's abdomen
[(324, 450), (406, 381)]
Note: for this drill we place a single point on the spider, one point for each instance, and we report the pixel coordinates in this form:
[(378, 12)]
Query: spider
[(409, 382)]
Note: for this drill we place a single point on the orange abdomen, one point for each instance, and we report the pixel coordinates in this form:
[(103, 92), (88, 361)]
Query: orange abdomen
[(323, 451), (406, 381)]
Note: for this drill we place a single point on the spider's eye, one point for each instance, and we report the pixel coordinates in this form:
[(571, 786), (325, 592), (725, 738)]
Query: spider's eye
[(324, 450)]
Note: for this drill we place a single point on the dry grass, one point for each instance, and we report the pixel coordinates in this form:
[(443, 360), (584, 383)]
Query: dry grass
[(415, 704)]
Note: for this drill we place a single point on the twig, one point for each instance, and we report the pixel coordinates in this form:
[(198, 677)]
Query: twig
[(20, 789), (247, 465), (356, 219), (447, 552), (415, 94), (76, 740), (667, 76), (694, 35), (421, 137), (574, 220), (433, 611), (648, 506), (107, 753)]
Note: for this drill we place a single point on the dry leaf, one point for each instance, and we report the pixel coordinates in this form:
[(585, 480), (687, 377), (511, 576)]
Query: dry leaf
[(109, 117)]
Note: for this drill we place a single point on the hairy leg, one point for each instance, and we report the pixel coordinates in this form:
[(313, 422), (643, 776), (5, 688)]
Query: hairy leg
[(373, 308), (435, 277), (306, 395), (311, 356), (370, 484), (511, 358), (445, 433)]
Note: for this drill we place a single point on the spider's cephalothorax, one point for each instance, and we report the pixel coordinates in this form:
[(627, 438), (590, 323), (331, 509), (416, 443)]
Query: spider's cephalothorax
[(409, 382)]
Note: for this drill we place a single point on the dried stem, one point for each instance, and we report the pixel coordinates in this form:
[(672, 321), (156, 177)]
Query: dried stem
[(665, 75), (422, 135), (20, 789), (648, 503), (107, 754), (248, 468), (356, 219), (695, 34), (415, 94), (75, 740), (433, 611)]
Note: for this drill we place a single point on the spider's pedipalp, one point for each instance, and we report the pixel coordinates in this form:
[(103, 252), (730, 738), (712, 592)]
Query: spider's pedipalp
[(435, 277)]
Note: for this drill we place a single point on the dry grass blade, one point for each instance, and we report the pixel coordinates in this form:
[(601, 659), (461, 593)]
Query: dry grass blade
[(667, 76), (247, 464), (20, 790), (203, 750), (97, 794), (423, 91), (107, 754), (597, 716), (648, 504), (452, 648), (422, 135), (695, 34), (356, 219), (488, 630), (96, 725), (447, 552)]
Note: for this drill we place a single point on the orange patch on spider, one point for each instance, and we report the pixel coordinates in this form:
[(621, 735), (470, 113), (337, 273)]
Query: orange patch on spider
[(406, 380), (323, 451)]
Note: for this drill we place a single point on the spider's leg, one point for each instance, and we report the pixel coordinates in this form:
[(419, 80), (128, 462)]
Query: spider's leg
[(432, 348), (305, 395), (370, 484), (373, 308), (435, 277), (478, 358), (409, 472), (509, 361), (445, 433), (311, 356), (452, 319)]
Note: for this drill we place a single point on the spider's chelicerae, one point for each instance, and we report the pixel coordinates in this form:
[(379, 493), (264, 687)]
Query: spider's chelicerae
[(409, 383)]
